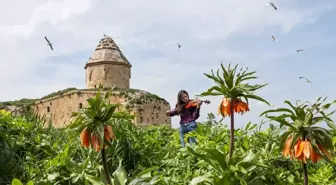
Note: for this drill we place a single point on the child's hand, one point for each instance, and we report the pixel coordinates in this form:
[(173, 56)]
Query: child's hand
[(199, 102)]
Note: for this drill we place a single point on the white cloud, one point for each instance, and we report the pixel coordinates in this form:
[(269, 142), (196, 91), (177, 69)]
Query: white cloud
[(147, 32)]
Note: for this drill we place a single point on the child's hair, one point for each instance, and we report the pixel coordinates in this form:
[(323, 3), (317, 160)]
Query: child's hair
[(180, 103)]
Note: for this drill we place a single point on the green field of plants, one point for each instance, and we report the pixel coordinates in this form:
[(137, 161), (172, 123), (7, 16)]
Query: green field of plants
[(101, 146)]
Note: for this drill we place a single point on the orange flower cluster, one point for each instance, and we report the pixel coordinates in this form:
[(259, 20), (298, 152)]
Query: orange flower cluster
[(303, 150), (238, 107), (85, 138)]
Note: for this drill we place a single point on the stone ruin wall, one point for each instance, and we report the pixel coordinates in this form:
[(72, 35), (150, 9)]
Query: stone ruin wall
[(153, 113), (108, 74), (60, 107)]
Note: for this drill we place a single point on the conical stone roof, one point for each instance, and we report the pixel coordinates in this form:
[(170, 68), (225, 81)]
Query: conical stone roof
[(107, 51)]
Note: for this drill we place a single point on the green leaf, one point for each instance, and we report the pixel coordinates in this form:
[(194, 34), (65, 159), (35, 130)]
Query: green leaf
[(281, 121), (93, 180), (251, 96), (292, 106), (210, 92), (30, 183), (74, 114), (243, 170), (242, 181), (109, 113), (16, 182), (107, 95), (298, 123), (326, 106), (331, 124), (247, 158), (140, 180), (53, 176), (226, 76), (120, 175), (199, 179), (206, 158), (278, 110), (100, 134), (218, 80), (245, 77), (218, 156), (248, 78)]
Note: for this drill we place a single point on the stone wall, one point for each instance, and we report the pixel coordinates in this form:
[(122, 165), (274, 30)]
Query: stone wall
[(60, 107), (15, 110), (153, 113), (109, 75)]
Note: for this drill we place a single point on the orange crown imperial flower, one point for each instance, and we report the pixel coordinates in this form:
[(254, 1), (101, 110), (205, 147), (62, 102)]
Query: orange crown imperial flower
[(303, 150), (85, 138), (95, 142), (238, 106)]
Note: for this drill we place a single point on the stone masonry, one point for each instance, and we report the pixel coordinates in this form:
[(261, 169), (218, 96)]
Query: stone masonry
[(107, 67)]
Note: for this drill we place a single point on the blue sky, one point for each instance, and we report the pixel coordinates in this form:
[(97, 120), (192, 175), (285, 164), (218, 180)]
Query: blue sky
[(147, 33)]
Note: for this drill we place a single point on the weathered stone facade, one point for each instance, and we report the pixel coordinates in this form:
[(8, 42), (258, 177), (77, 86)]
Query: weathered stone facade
[(108, 67), (148, 110), (16, 111)]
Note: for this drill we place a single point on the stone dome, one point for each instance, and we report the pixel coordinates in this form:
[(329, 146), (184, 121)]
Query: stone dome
[(107, 51)]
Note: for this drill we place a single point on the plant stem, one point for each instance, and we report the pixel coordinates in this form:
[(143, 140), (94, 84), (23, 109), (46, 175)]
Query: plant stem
[(304, 166), (305, 173), (231, 129), (107, 175)]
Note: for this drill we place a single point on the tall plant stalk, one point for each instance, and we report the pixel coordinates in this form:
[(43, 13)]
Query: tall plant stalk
[(232, 84), (231, 130), (304, 166), (304, 140), (93, 122), (106, 171)]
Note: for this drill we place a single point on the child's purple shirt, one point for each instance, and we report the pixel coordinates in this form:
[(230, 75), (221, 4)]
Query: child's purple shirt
[(187, 114)]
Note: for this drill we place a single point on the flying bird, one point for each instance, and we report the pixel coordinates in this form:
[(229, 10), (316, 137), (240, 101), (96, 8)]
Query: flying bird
[(273, 38), (273, 5), (179, 46), (49, 43), (298, 50), (308, 81)]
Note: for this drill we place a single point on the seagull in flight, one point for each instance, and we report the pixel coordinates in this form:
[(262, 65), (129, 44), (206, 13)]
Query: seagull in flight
[(49, 43), (298, 50), (273, 38), (179, 46), (308, 81), (273, 5)]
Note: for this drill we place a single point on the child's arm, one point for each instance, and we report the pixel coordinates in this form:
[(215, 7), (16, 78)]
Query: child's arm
[(171, 112), (196, 113)]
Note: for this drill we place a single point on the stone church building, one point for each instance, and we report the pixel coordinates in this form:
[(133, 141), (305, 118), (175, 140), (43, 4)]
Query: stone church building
[(109, 67)]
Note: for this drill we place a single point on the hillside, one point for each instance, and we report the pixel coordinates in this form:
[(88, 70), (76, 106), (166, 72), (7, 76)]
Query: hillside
[(133, 96)]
